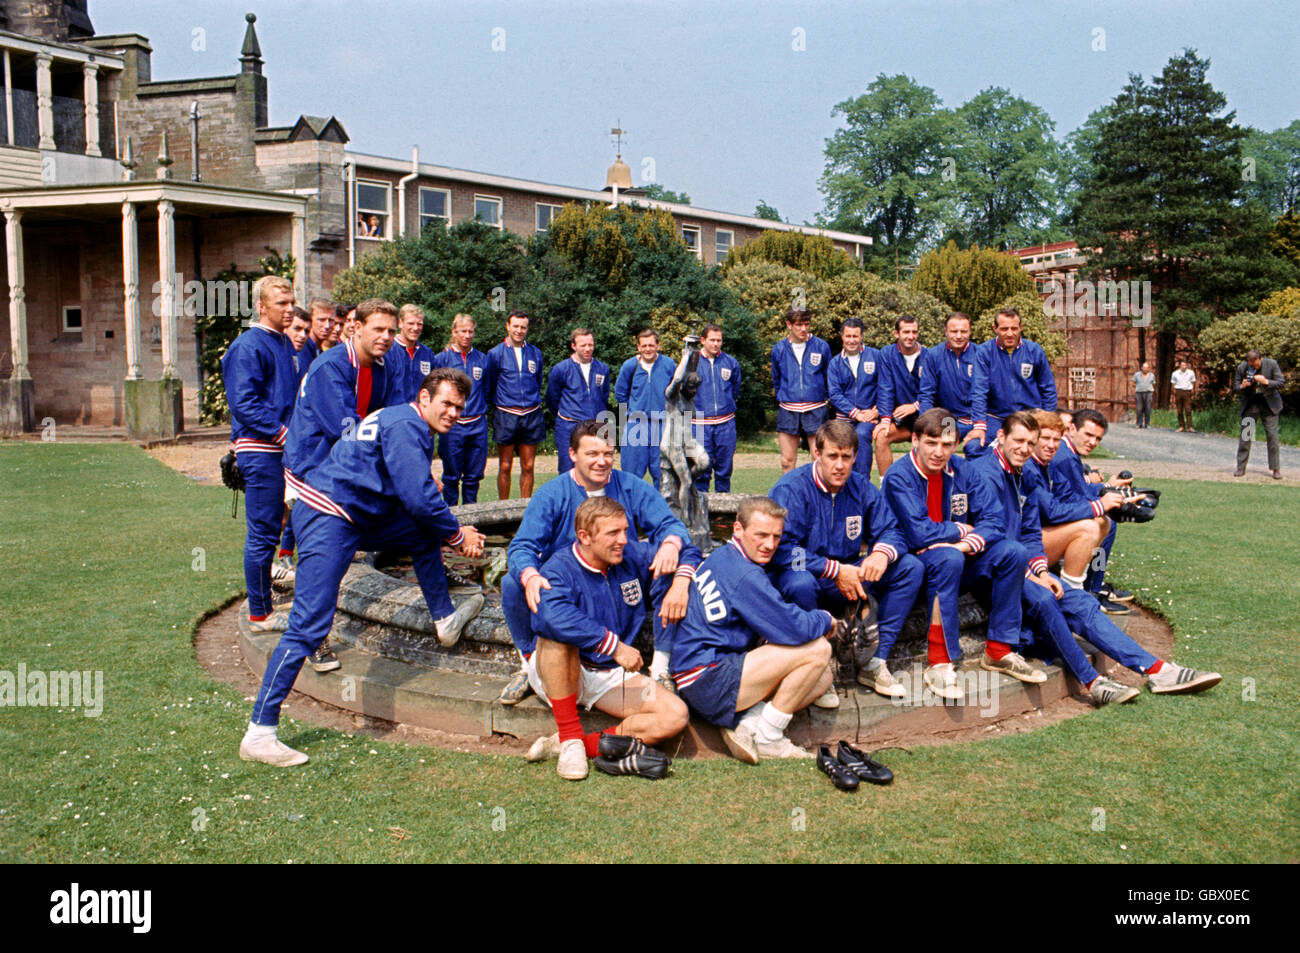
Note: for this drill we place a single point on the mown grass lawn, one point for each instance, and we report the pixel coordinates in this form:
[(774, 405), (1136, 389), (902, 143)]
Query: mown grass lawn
[(108, 560)]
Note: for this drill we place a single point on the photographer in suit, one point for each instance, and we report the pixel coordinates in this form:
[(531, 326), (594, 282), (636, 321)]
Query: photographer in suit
[(1258, 380)]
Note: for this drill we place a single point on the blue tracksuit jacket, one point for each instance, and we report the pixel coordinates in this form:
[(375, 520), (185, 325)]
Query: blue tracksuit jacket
[(801, 387), (640, 391), (260, 379), (946, 380), (833, 528), (475, 364), (896, 385), (1020, 504), (1052, 508), (1066, 481), (596, 610), (1003, 383), (848, 393), (327, 404), (572, 397), (734, 605), (970, 511), (508, 386), (381, 473), (408, 369), (715, 401)]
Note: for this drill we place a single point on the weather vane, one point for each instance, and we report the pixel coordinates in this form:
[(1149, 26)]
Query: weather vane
[(618, 133)]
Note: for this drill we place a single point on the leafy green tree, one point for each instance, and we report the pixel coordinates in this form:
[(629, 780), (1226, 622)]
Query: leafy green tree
[(883, 168), (1284, 240), (878, 303), (768, 290), (1163, 204), (763, 210), (972, 279), (815, 254), (1007, 170), (217, 331), (1283, 303), (1271, 168), (656, 191), (1035, 324), (1224, 343)]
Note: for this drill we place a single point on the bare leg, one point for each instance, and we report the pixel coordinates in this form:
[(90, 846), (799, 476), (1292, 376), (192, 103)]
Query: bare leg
[(791, 675), (527, 459), (789, 444), (648, 711), (881, 438), (1080, 552), (558, 667), (1072, 542), (505, 462)]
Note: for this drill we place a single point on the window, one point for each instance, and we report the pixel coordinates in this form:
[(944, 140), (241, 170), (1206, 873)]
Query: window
[(722, 244), (546, 214), (435, 206), (372, 209), (1083, 386), (72, 319), (691, 235), (487, 210)]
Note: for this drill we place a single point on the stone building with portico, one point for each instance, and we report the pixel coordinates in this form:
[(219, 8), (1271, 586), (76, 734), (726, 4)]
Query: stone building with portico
[(121, 193)]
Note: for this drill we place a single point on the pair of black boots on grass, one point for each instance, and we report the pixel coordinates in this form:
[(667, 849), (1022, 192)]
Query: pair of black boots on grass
[(849, 766)]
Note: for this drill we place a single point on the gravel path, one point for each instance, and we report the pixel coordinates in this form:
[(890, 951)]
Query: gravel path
[(1159, 452)]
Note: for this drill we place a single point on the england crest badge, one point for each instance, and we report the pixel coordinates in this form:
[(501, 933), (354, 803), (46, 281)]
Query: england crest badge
[(869, 367), (957, 504), (631, 592), (600, 379), (853, 527), (476, 373), (425, 367), (532, 367), (725, 373), (1026, 370), (814, 359)]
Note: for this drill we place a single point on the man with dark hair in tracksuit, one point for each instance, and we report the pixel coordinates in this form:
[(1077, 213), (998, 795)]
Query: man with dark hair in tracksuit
[(953, 523), (800, 361), (715, 409), (577, 390), (373, 492), (947, 370), (853, 384)]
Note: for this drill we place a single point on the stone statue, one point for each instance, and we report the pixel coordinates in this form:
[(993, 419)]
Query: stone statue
[(682, 456)]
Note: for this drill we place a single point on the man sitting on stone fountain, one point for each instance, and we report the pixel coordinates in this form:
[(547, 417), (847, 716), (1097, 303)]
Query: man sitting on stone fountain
[(834, 514), (1054, 611), (547, 527), (374, 491), (599, 591), (953, 522), (748, 689)]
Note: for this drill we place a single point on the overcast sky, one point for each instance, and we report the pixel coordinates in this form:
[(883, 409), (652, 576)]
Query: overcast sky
[(728, 101)]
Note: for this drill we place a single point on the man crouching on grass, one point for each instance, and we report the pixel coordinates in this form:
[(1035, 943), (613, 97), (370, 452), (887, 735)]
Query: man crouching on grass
[(586, 621), (748, 689)]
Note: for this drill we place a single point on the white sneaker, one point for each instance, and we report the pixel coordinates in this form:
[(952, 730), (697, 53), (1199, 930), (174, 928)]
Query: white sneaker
[(783, 747), (1013, 664), (740, 742), (271, 750), (449, 628), (942, 680), (544, 748), (573, 760), (282, 571), (879, 679), (1106, 690), (275, 622), (828, 699), (1176, 680)]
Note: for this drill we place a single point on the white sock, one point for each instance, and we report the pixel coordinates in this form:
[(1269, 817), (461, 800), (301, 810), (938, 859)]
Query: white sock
[(257, 733), (443, 624), (772, 723), (1072, 582), (659, 664)]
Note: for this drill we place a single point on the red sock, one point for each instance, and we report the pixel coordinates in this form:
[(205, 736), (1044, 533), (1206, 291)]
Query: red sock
[(938, 648), (284, 552), (566, 717), (258, 618), (592, 742), (996, 650), (1157, 667)]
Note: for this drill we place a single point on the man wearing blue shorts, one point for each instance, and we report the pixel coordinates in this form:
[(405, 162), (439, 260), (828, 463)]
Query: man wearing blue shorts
[(514, 389), (800, 362)]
